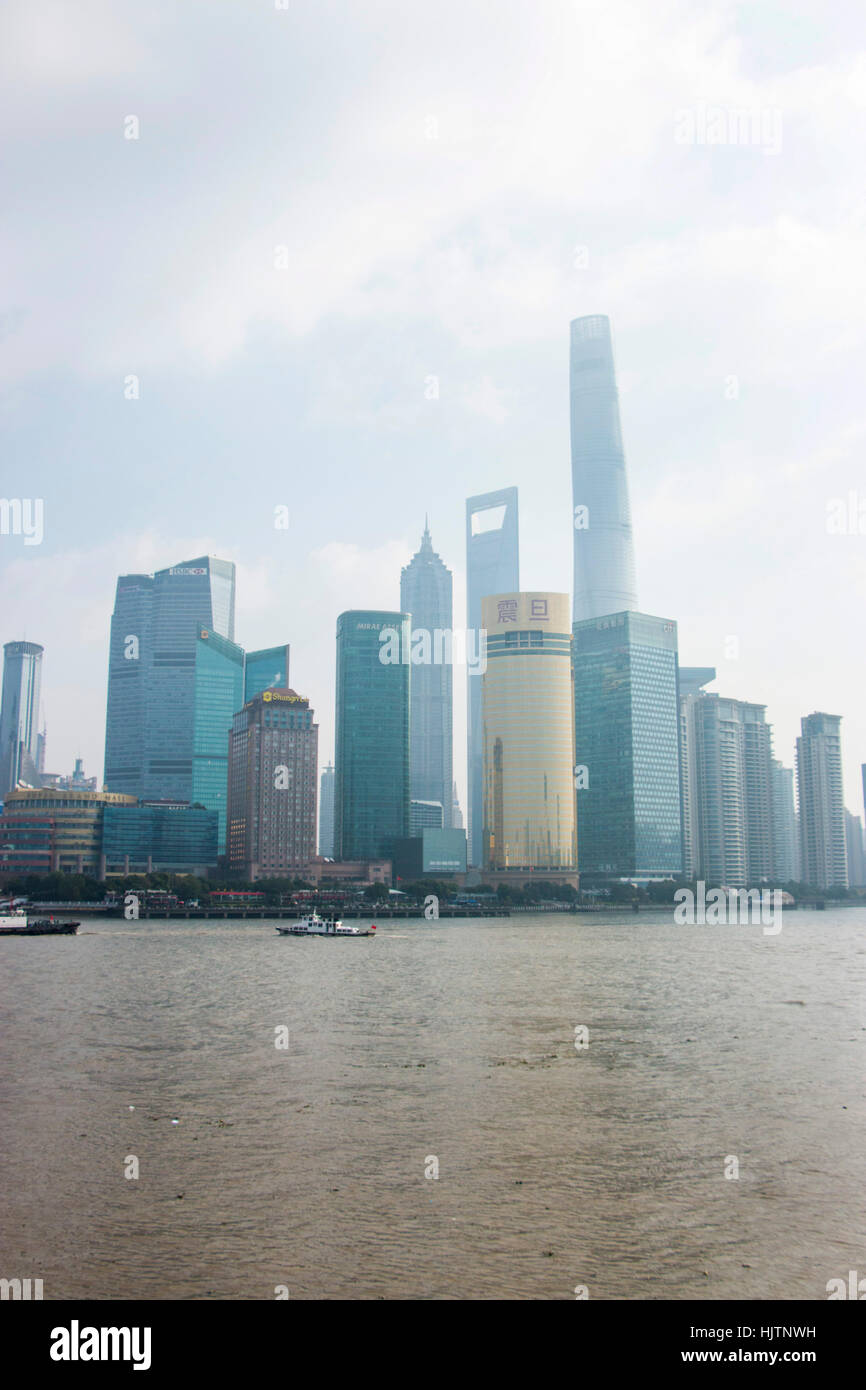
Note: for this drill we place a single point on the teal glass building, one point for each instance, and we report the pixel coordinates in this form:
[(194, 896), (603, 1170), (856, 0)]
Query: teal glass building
[(266, 670), (371, 782), (627, 752), (176, 677), (218, 693), (162, 837), (152, 666)]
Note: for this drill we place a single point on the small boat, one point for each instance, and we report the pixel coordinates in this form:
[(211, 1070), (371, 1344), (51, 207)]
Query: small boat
[(19, 924), (314, 925)]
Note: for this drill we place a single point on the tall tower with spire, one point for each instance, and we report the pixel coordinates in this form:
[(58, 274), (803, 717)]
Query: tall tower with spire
[(425, 593), (604, 569)]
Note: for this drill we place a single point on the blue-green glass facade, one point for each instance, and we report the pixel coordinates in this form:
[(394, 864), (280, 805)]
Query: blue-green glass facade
[(371, 790), (171, 837), (266, 670), (152, 674), (627, 739), (219, 692)]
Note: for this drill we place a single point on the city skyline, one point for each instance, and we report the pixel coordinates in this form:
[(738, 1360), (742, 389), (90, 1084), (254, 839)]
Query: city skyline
[(432, 363)]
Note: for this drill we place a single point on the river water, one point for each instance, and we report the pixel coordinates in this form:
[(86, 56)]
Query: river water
[(446, 1045)]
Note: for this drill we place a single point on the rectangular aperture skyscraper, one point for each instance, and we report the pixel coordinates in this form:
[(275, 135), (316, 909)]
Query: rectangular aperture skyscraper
[(604, 568), (492, 567), (627, 746), (19, 715), (371, 786)]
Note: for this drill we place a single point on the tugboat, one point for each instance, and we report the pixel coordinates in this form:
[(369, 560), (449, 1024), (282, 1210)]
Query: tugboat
[(17, 923), (314, 925)]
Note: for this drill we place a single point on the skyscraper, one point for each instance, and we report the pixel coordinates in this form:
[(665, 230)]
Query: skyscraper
[(425, 593), (326, 813), (217, 693), (19, 716), (492, 567), (155, 630), (604, 569), (371, 787), (822, 805), (176, 678), (727, 789), (266, 670), (855, 851), (692, 679), (786, 846), (529, 802), (273, 767), (627, 746)]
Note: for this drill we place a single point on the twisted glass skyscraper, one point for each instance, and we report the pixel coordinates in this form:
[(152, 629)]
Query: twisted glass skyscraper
[(604, 570)]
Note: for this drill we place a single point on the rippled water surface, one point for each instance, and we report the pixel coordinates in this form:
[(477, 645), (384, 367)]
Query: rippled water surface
[(305, 1167)]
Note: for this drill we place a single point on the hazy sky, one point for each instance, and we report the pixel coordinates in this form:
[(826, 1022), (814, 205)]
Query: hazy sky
[(450, 184)]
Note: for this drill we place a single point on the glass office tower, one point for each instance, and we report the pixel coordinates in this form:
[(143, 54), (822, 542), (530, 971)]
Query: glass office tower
[(492, 567), (152, 674), (425, 592), (218, 693), (604, 568), (627, 743), (19, 715), (371, 786), (528, 721), (266, 670)]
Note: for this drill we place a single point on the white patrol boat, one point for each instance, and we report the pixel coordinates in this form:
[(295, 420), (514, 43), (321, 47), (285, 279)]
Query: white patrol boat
[(17, 923), (314, 925)]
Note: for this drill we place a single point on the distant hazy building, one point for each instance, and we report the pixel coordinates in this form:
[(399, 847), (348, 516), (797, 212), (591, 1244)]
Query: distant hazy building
[(692, 679), (492, 567), (272, 784), (727, 789), (21, 746), (627, 746), (371, 786), (456, 813), (821, 800), (786, 840), (425, 593), (529, 801), (75, 782), (855, 851), (326, 813), (425, 815), (604, 568)]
